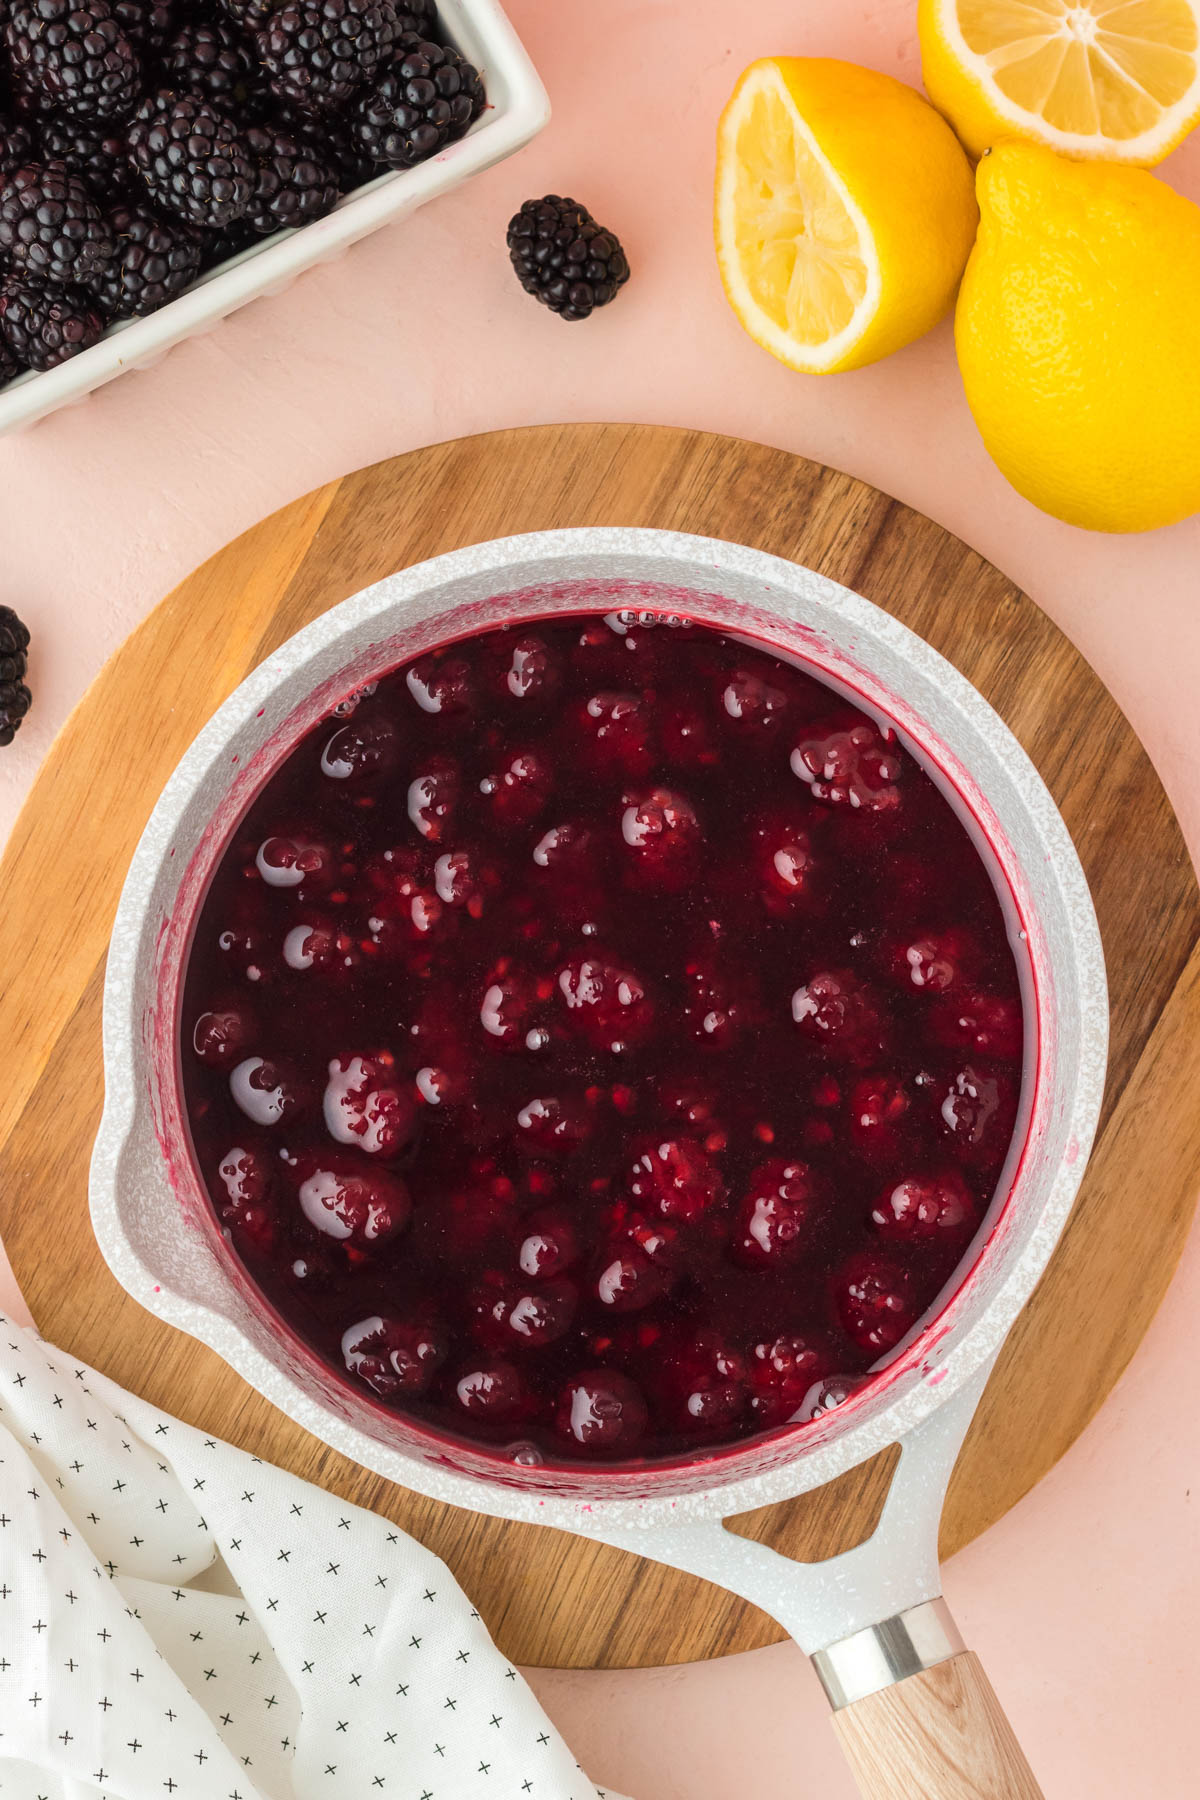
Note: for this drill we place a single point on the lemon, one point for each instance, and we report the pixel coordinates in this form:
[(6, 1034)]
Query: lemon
[(1078, 333), (1113, 78), (844, 212)]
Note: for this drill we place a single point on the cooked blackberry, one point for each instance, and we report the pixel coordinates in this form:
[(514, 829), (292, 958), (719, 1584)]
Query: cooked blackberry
[(16, 145), (192, 158), (146, 23), (319, 52), (44, 324), (426, 97), (96, 154), (50, 226), (155, 259), (208, 57), (296, 183), (563, 258), (75, 56), (15, 697)]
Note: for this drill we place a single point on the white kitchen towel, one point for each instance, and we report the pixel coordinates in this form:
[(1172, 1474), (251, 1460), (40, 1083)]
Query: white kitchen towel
[(181, 1621)]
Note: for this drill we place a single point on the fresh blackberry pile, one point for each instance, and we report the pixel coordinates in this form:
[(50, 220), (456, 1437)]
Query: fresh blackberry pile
[(143, 142)]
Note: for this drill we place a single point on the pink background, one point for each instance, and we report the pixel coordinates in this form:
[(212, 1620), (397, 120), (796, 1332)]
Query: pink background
[(1083, 1601)]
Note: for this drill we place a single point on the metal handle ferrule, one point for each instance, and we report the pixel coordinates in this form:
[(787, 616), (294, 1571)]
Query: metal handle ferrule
[(884, 1654)]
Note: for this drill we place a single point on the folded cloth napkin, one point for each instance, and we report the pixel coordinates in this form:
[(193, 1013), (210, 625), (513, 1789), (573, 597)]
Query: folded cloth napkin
[(181, 1621)]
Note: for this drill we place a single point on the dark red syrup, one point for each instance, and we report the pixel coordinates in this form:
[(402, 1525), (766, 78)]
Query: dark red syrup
[(601, 1039)]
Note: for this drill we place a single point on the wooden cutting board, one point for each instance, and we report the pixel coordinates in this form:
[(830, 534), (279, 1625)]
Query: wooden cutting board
[(551, 1599)]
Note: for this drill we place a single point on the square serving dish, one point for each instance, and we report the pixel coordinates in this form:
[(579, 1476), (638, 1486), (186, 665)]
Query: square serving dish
[(517, 109)]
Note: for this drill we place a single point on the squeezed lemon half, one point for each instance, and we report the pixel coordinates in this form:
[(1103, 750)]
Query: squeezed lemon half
[(844, 212)]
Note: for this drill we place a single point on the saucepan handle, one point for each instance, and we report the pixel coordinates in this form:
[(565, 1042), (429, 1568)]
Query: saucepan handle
[(913, 1709), (940, 1734)]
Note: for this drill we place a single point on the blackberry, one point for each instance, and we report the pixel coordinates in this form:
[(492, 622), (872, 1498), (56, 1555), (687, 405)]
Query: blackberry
[(16, 145), (50, 226), (426, 98), (192, 158), (44, 324), (338, 143), (426, 14), (74, 55), (319, 52), (10, 368), (209, 58), (15, 697), (93, 152), (563, 258), (156, 259), (249, 14), (418, 18), (296, 182), (146, 23), (217, 247)]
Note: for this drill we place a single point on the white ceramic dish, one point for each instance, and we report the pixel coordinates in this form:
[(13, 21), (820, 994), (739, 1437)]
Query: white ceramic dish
[(518, 108), (157, 1231)]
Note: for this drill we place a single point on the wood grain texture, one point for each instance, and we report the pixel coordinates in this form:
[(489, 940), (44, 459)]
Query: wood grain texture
[(940, 1735), (548, 1598)]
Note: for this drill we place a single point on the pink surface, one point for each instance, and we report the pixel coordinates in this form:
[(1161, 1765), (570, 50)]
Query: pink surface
[(1082, 1601)]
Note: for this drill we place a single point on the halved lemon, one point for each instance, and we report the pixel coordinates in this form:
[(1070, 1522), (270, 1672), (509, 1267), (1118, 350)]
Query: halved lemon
[(845, 212), (1112, 78)]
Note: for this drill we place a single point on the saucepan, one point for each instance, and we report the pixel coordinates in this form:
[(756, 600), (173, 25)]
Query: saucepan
[(913, 1708)]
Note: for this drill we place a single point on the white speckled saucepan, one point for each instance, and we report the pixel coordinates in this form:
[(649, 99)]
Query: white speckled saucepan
[(872, 1618)]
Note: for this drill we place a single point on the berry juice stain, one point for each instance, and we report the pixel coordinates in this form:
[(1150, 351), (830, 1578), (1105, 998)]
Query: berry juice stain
[(601, 1039)]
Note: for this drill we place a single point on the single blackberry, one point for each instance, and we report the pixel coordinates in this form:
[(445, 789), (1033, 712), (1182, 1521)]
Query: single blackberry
[(209, 58), (50, 226), (156, 259), (563, 258), (338, 144), (30, 104), (419, 17), (146, 23), (217, 247), (426, 14), (93, 152), (44, 324), (192, 158), (10, 368), (425, 99), (73, 54), (16, 145), (319, 52), (296, 183), (249, 14), (15, 697)]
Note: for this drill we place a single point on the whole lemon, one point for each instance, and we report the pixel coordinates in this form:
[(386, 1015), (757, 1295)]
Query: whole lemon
[(1078, 334)]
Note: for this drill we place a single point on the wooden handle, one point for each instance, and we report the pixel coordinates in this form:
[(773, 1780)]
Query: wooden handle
[(939, 1735)]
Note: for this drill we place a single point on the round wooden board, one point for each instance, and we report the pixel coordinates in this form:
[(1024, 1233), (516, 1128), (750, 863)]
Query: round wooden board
[(548, 1598)]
